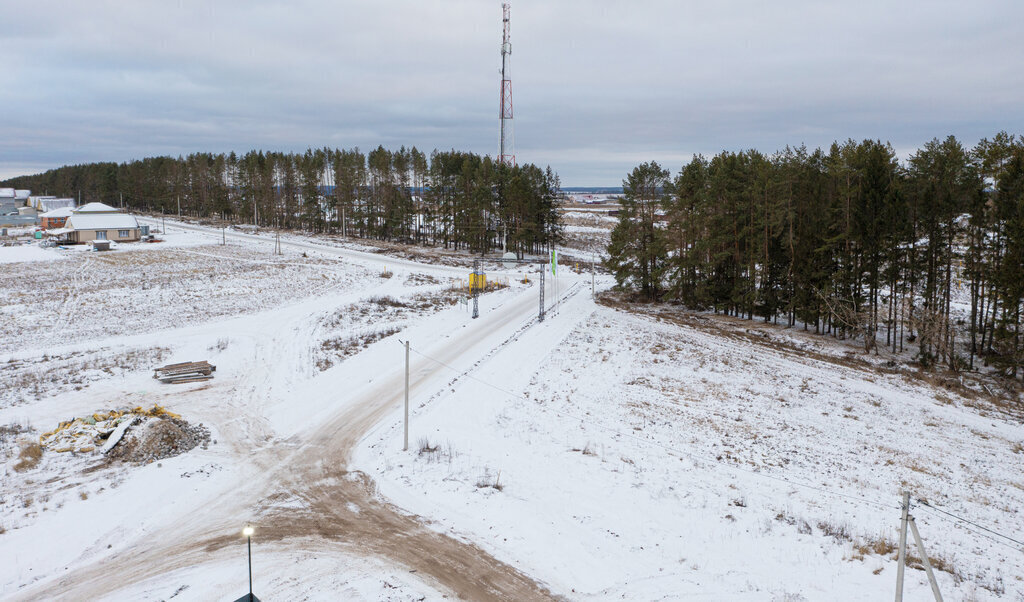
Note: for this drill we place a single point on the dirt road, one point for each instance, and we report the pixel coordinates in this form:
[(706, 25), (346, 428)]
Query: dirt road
[(330, 508)]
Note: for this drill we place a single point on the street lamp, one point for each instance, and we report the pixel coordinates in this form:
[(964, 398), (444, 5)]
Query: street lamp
[(248, 531)]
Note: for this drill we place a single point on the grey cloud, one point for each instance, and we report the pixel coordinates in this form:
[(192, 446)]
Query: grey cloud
[(598, 85)]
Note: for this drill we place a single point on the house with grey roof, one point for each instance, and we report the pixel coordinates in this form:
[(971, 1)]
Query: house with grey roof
[(96, 221)]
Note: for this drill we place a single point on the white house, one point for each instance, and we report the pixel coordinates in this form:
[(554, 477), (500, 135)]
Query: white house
[(96, 221)]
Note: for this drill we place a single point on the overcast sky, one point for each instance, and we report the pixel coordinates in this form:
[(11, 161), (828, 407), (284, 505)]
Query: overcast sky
[(598, 85)]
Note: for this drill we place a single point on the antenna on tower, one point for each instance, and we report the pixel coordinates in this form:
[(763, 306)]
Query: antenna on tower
[(507, 154)]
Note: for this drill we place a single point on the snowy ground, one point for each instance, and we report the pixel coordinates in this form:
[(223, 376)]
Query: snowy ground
[(149, 287), (646, 459), (265, 339), (586, 234), (605, 454)]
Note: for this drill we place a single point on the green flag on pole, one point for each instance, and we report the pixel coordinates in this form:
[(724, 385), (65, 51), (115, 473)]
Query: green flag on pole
[(554, 262)]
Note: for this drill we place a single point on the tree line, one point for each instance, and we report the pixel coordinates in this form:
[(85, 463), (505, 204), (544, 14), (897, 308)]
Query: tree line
[(927, 253), (456, 199)]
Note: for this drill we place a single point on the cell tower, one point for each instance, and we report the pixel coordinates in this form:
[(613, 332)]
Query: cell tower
[(507, 155)]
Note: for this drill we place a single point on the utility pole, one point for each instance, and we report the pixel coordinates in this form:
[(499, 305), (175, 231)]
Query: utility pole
[(925, 561), (224, 236), (249, 538), (179, 205), (540, 315), (506, 154), (593, 272), (554, 277), (277, 244), (902, 558), (406, 445), (474, 289)]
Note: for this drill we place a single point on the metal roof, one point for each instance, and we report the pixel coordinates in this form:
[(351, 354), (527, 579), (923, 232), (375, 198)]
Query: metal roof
[(101, 221), (96, 208), (61, 212)]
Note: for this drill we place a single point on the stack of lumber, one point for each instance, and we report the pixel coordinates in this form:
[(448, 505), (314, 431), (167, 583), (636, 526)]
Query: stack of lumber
[(184, 372)]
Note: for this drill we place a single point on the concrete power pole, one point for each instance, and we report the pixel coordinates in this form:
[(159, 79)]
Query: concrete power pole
[(540, 315), (406, 444), (902, 558), (474, 289), (924, 560)]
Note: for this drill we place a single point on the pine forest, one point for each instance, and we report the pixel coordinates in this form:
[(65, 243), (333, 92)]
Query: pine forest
[(925, 256), (455, 199)]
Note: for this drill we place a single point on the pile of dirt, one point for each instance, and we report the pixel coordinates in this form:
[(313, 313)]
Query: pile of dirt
[(130, 434), (158, 438)]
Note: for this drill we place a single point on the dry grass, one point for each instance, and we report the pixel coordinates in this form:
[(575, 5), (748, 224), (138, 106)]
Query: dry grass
[(802, 526), (421, 279), (487, 480), (916, 466), (337, 349), (982, 391), (881, 546), (32, 379), (388, 301), (31, 454), (152, 289), (434, 452), (10, 432), (586, 450), (837, 531)]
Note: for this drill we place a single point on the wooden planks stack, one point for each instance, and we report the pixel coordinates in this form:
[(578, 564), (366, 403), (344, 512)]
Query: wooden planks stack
[(185, 372)]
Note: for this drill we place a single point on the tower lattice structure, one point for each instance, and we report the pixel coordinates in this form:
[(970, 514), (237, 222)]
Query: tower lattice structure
[(507, 154)]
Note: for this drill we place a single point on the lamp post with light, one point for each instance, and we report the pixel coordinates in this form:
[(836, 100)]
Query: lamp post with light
[(248, 531)]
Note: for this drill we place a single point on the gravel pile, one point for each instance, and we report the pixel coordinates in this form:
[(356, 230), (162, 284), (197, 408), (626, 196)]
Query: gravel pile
[(159, 438)]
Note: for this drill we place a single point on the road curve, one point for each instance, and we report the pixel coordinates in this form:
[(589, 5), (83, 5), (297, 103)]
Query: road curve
[(315, 470)]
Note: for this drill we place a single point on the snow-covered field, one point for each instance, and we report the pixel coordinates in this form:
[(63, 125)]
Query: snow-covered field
[(585, 234), (650, 460), (602, 453)]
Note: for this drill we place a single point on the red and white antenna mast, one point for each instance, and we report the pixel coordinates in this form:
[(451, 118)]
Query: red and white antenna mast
[(507, 154)]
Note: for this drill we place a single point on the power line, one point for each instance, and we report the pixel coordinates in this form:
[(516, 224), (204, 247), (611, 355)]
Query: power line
[(970, 522)]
